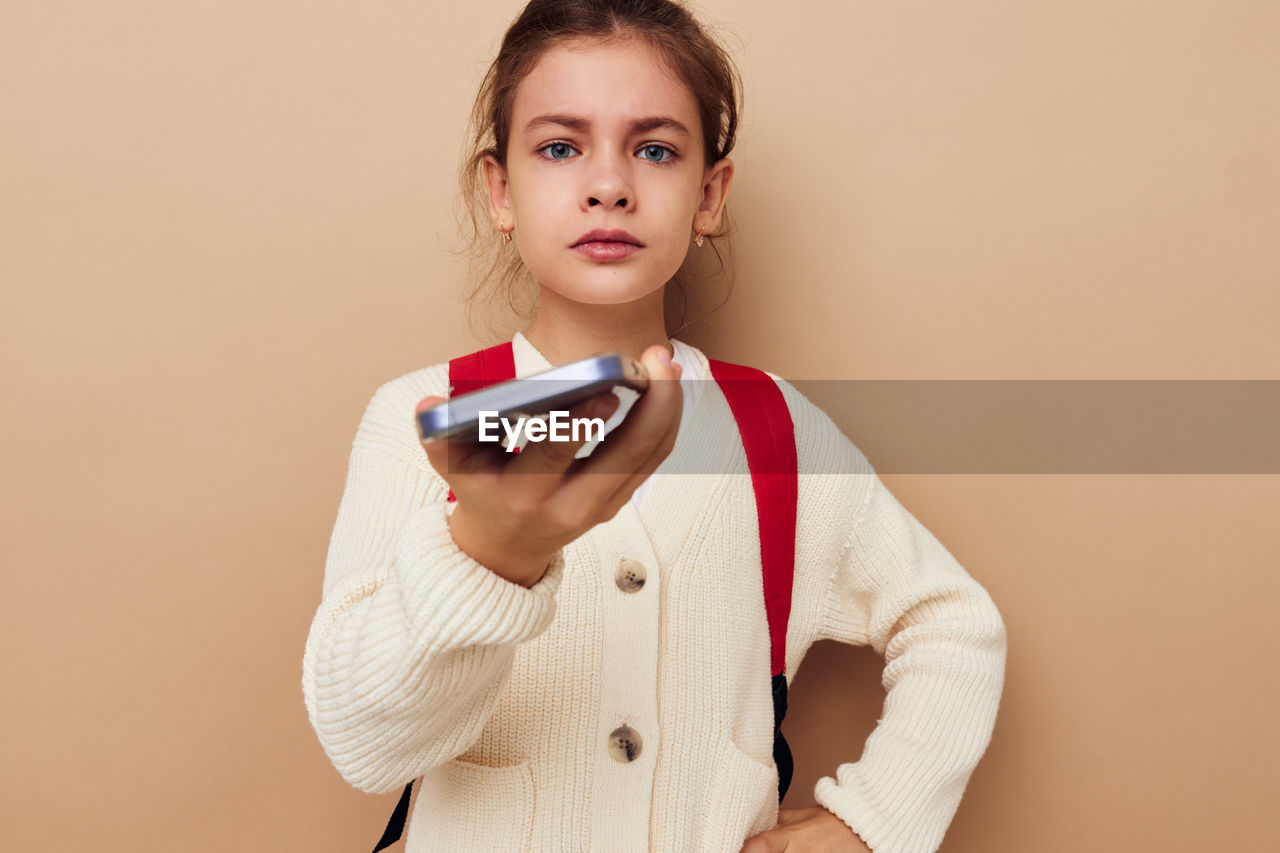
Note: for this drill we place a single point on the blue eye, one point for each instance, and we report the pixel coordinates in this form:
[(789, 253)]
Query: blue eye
[(657, 153), (558, 150)]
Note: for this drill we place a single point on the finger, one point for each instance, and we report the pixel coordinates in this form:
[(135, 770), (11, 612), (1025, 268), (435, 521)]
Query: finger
[(789, 816), (459, 460), (636, 446), (653, 412), (455, 459), (619, 497), (772, 841), (427, 403), (552, 459)]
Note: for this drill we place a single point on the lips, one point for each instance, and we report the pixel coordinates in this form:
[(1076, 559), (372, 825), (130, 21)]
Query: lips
[(601, 235), (607, 244)]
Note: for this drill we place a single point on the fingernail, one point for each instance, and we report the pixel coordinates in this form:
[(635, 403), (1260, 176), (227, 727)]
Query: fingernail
[(664, 357)]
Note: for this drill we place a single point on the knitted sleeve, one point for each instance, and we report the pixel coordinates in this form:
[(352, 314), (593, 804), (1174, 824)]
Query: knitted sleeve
[(893, 585), (414, 640), (943, 642)]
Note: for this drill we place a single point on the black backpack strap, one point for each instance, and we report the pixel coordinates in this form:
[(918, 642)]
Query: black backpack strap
[(781, 750), (395, 826)]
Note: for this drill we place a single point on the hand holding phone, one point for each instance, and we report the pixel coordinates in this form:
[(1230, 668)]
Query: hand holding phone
[(468, 417), (515, 511)]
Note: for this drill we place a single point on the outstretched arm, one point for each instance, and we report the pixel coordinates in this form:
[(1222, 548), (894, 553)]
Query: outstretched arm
[(414, 640)]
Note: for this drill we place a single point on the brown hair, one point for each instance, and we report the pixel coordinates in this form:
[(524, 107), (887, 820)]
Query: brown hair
[(696, 58)]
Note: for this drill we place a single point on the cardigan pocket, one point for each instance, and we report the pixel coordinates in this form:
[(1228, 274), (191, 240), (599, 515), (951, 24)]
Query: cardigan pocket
[(743, 800), (466, 806)]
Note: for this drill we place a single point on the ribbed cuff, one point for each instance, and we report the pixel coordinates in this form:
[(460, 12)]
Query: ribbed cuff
[(457, 602), (848, 804), (849, 800)]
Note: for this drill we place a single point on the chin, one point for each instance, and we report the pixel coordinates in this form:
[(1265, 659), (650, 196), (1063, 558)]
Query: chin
[(606, 297), (606, 292)]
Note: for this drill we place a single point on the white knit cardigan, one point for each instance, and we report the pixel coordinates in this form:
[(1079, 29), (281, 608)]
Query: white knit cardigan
[(422, 662)]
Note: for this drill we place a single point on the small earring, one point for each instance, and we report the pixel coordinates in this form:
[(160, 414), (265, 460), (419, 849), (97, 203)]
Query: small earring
[(697, 239), (506, 237)]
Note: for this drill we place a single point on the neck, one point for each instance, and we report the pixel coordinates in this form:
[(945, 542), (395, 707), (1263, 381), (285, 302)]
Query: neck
[(564, 330)]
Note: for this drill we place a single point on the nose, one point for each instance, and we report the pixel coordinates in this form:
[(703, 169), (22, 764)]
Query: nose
[(608, 186)]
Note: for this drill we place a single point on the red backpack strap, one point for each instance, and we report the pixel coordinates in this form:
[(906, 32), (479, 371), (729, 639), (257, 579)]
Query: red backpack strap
[(484, 367), (768, 436), (479, 369)]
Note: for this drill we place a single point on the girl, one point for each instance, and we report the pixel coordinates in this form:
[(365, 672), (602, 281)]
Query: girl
[(567, 653)]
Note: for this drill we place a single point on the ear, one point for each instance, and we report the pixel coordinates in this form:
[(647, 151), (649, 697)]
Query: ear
[(495, 176), (715, 192)]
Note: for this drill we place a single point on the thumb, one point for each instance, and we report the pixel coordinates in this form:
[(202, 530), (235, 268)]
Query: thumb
[(658, 363)]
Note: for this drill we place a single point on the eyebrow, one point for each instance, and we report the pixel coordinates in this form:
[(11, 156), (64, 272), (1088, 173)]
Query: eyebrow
[(643, 125)]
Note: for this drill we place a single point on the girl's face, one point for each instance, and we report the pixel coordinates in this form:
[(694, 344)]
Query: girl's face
[(605, 138)]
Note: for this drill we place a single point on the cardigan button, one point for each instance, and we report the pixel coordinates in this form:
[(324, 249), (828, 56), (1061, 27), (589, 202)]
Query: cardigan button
[(630, 575), (624, 744)]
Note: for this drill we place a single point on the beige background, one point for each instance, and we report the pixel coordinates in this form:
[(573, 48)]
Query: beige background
[(224, 224)]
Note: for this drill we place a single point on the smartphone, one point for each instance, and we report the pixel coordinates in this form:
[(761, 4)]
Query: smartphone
[(559, 388)]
